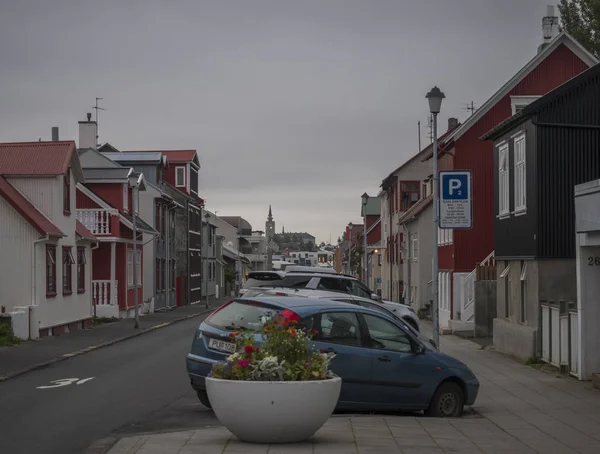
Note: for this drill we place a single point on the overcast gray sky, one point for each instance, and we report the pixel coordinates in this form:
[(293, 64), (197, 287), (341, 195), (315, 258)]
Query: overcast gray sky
[(303, 104)]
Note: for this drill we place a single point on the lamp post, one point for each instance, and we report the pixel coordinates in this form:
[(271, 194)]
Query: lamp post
[(435, 97), (350, 225), (207, 217), (365, 200)]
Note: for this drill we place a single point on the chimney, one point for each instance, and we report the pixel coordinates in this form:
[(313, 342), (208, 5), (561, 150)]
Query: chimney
[(54, 133), (549, 27), (88, 133), (452, 123)]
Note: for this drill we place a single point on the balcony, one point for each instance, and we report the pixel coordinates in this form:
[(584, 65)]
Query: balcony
[(104, 298), (96, 221)]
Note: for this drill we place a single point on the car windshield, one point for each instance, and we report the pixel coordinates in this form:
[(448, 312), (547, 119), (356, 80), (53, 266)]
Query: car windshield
[(266, 279), (242, 315)]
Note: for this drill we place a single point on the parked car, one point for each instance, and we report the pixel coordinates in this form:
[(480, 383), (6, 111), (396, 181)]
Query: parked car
[(383, 365), (262, 279), (309, 269)]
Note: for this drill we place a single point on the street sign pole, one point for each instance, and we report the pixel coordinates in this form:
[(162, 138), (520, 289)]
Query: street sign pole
[(436, 221)]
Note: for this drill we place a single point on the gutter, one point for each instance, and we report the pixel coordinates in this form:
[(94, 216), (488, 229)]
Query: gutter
[(564, 125)]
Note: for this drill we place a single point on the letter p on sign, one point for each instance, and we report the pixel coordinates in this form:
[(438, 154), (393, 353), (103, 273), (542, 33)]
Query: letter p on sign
[(454, 184)]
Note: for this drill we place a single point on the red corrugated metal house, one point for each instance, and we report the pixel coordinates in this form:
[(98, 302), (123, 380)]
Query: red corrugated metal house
[(557, 61), (45, 283)]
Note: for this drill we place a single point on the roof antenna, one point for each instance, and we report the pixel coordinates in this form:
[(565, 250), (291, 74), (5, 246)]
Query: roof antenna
[(89, 118), (470, 107)]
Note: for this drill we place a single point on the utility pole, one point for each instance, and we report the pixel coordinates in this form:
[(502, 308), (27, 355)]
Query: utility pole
[(97, 109)]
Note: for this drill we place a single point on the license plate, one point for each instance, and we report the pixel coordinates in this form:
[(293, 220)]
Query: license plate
[(227, 347)]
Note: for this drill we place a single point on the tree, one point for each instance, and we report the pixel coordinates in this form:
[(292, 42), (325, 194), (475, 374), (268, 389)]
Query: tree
[(581, 19)]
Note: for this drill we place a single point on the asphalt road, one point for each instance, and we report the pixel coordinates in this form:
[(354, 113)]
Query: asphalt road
[(138, 385)]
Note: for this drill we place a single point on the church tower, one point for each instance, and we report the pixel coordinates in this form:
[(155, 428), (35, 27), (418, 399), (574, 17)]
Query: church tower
[(269, 233)]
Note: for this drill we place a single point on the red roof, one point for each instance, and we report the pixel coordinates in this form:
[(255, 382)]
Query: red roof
[(26, 209), (83, 232), (172, 155), (36, 158)]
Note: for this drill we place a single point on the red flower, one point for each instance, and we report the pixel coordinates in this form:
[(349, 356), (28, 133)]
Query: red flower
[(249, 348), (243, 363)]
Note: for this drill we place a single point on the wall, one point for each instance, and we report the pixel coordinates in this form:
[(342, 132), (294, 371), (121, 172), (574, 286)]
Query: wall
[(424, 270), (486, 293), (16, 241), (42, 192), (110, 192)]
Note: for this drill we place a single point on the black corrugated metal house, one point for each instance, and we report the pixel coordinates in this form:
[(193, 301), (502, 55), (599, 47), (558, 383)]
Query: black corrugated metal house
[(540, 154)]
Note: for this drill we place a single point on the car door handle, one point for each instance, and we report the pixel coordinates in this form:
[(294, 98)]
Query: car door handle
[(384, 359)]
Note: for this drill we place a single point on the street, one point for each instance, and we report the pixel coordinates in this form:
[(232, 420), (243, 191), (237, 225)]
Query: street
[(137, 385)]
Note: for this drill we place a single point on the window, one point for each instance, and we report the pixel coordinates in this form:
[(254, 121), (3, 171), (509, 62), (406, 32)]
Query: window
[(445, 236), (414, 248), (50, 270), (180, 177), (359, 289), (523, 311), (520, 175), (503, 181), (130, 267), (81, 270), (67, 270), (339, 328), (409, 194), (518, 103), (125, 196), (67, 192), (157, 275), (384, 335), (506, 276)]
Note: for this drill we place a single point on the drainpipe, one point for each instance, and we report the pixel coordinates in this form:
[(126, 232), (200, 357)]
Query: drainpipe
[(34, 278), (95, 245), (407, 263), (389, 252)]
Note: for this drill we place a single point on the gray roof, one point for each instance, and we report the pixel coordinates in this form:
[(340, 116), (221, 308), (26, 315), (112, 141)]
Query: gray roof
[(140, 223), (107, 173), (146, 156)]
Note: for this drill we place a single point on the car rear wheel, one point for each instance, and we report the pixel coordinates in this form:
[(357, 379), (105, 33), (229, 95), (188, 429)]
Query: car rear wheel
[(448, 401), (203, 397)]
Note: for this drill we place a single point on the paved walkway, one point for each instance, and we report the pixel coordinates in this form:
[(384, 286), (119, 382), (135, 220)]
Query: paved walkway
[(519, 410), (31, 355)]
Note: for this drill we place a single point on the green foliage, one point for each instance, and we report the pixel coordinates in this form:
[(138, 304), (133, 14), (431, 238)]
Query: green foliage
[(581, 19), (103, 320), (230, 273), (286, 354), (7, 337)]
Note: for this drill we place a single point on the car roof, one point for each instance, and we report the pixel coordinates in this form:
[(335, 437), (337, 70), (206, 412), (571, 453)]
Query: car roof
[(321, 274), (306, 306), (295, 269)]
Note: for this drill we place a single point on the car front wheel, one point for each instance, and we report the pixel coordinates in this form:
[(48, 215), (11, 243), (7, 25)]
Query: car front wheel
[(203, 397), (448, 401)]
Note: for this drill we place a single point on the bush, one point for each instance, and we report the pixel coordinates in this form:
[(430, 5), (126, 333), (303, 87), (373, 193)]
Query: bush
[(7, 337)]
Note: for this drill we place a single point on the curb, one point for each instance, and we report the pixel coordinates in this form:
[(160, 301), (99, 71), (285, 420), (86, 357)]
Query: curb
[(91, 348)]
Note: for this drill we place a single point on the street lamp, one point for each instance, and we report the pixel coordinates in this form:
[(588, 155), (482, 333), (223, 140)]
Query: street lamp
[(207, 217), (350, 225), (365, 200), (435, 97)]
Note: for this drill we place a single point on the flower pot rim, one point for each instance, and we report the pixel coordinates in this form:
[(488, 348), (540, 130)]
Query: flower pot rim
[(327, 380)]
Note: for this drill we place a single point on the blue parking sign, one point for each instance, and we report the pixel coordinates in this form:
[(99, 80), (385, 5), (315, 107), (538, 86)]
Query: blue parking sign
[(456, 207)]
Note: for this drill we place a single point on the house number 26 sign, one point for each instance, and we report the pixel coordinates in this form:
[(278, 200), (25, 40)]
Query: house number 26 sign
[(66, 382)]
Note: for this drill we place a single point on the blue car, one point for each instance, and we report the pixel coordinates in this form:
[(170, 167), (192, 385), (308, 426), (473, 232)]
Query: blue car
[(383, 365)]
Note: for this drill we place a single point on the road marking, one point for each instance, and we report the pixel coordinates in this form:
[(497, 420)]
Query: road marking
[(65, 382), (160, 326)]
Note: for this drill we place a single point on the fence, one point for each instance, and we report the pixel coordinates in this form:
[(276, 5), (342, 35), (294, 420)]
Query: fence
[(559, 335)]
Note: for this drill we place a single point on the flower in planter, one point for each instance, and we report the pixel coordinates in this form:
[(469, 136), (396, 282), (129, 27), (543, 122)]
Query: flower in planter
[(286, 354)]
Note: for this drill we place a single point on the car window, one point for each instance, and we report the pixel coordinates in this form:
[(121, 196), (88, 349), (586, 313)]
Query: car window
[(242, 315), (344, 300), (358, 289), (296, 281), (375, 307), (384, 335), (332, 284), (338, 328)]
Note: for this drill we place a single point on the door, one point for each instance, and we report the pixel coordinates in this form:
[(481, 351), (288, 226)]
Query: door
[(339, 332), (400, 376)]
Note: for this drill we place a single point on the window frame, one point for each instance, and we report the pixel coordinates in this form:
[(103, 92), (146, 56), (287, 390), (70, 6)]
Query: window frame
[(361, 333), (402, 191), (130, 268), (520, 173), (50, 271), (183, 183), (67, 263), (81, 262), (414, 248), (67, 192), (503, 180)]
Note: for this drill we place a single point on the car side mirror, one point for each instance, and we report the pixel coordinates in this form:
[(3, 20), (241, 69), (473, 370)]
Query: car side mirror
[(418, 349), (375, 297)]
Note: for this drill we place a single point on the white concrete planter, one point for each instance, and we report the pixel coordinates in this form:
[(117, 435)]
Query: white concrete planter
[(273, 412)]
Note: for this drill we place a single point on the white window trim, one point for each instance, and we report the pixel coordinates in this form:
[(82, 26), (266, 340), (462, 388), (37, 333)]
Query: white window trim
[(130, 268), (445, 236), (413, 242), (517, 101), (505, 272), (520, 168), (182, 185), (503, 176), (138, 267), (524, 272)]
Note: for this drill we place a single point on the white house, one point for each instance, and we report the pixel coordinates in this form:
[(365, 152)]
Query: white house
[(46, 285)]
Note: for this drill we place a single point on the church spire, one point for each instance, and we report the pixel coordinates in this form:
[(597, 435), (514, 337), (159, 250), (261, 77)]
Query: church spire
[(270, 217)]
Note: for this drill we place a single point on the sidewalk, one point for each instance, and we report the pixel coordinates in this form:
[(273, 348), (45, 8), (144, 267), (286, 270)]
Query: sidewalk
[(519, 410), (40, 353)]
